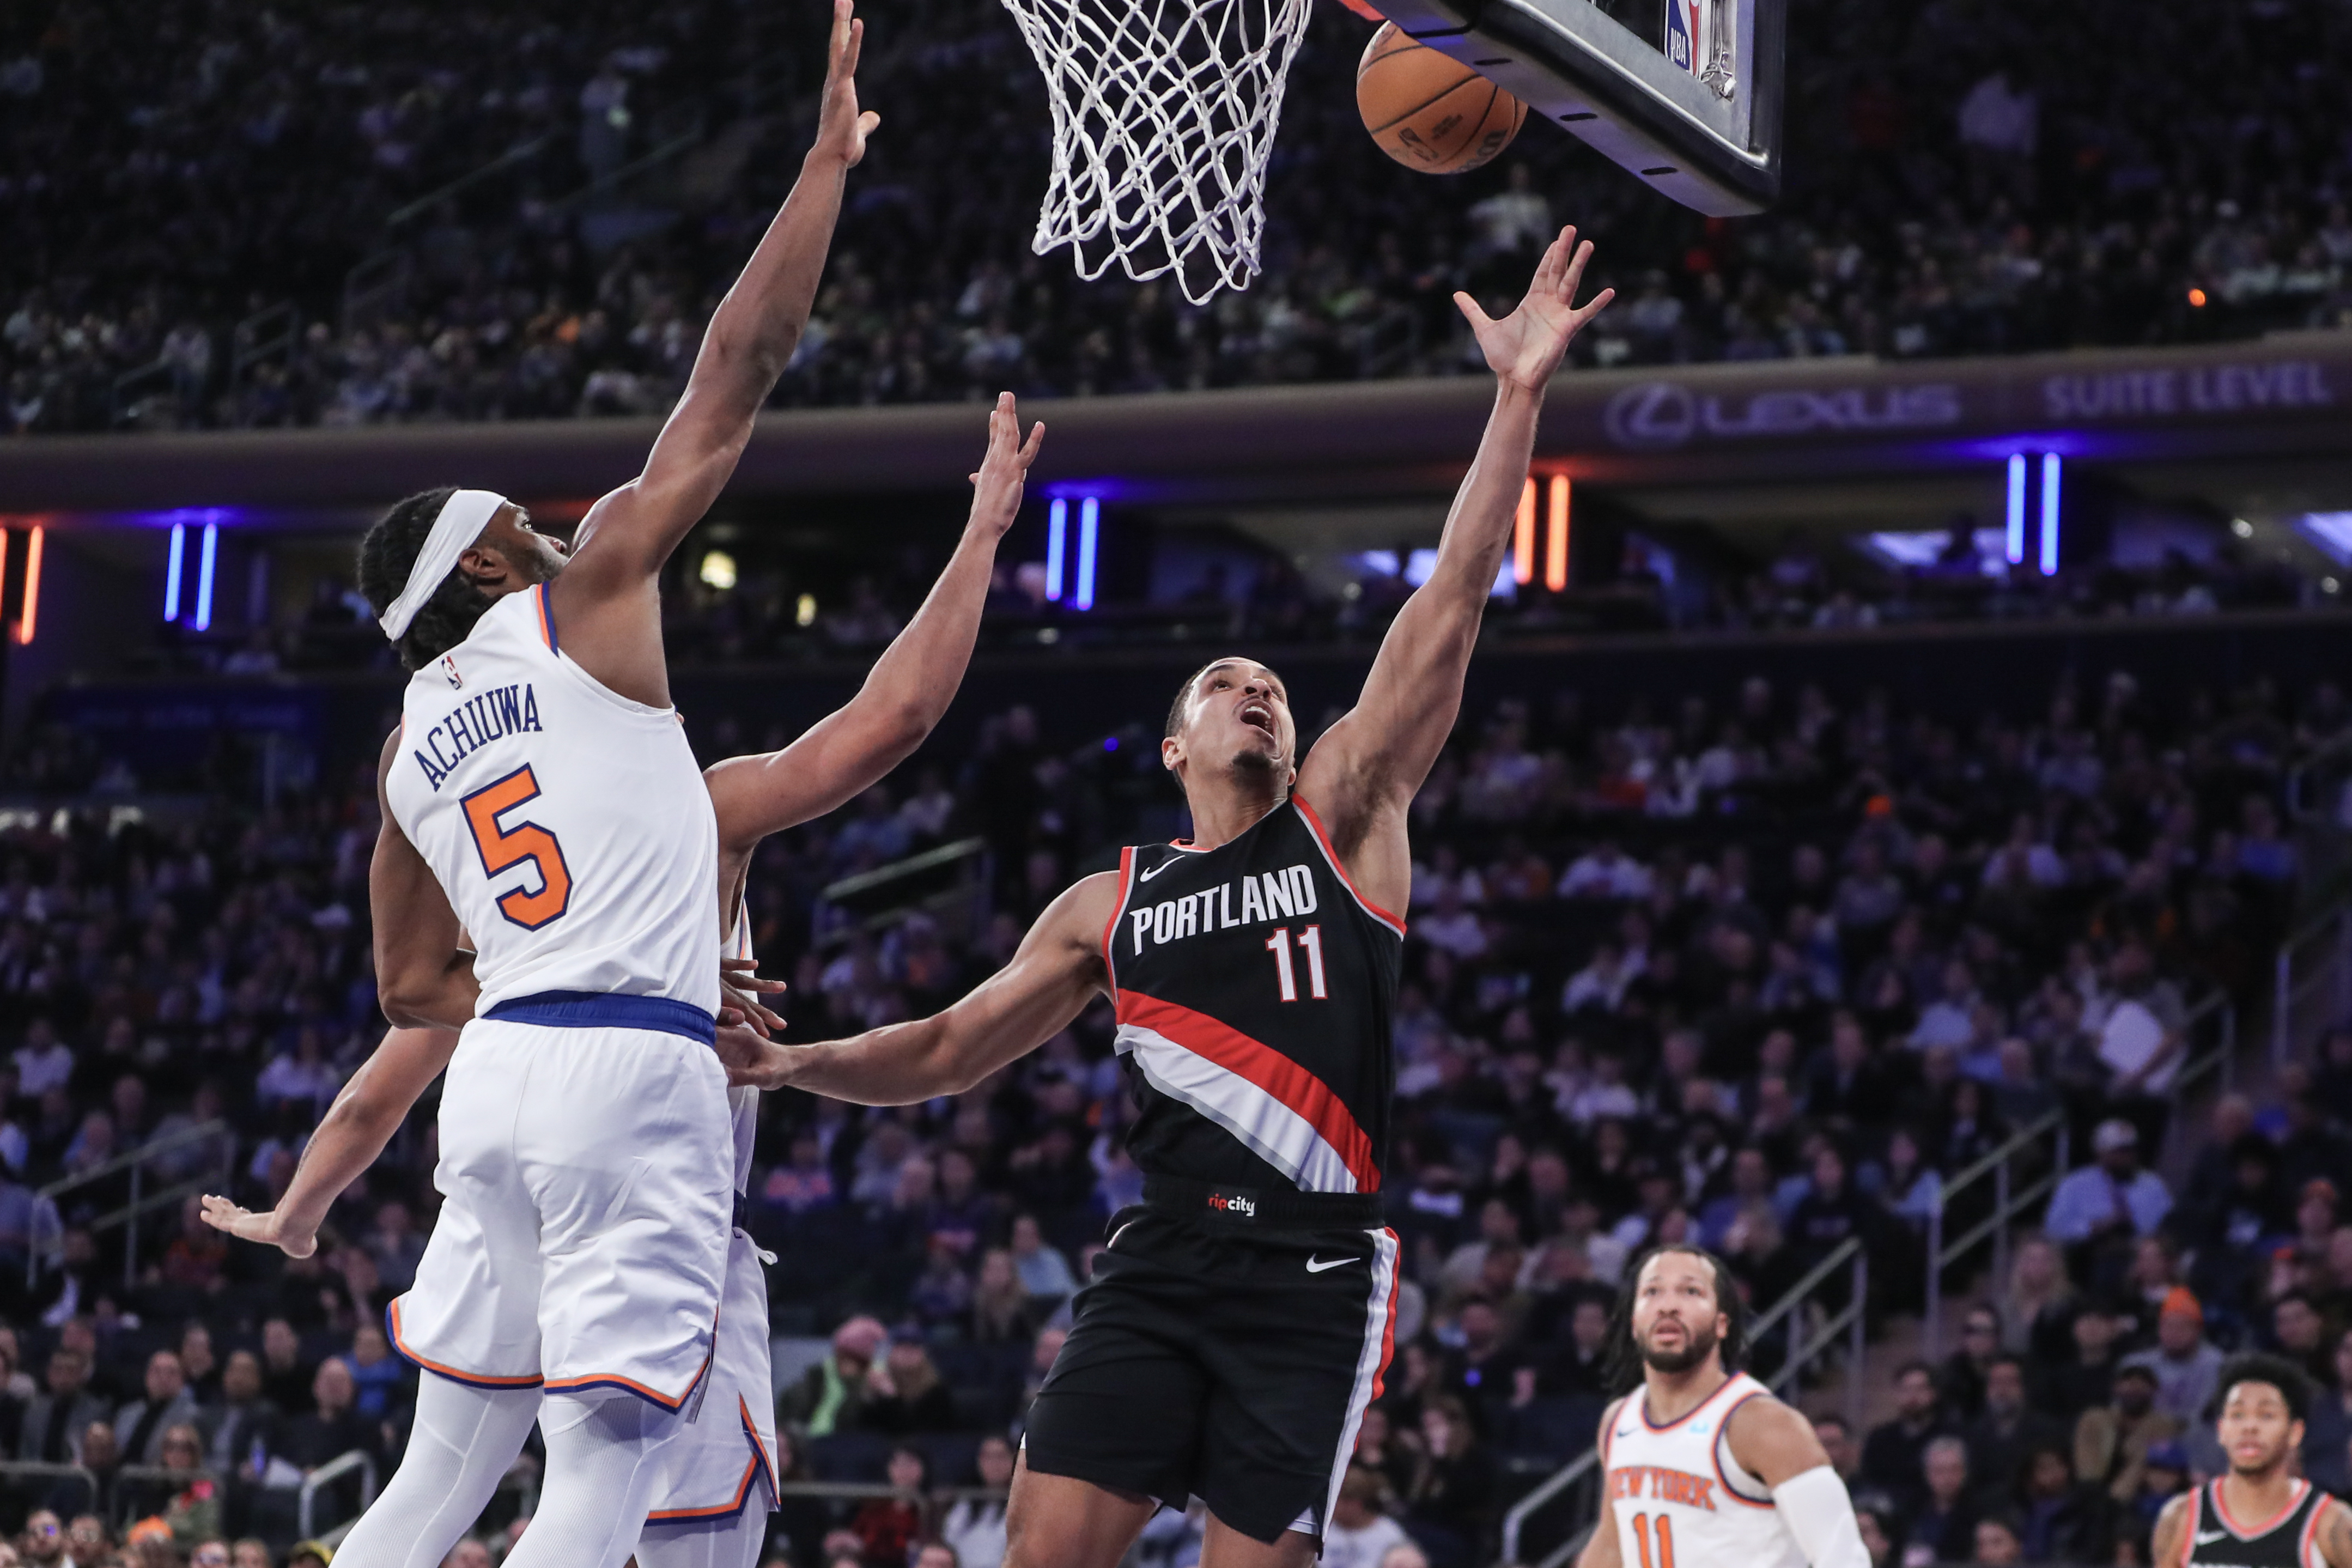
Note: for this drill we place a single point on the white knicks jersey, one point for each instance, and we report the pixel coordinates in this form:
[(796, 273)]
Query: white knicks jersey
[(1679, 1499), (569, 825)]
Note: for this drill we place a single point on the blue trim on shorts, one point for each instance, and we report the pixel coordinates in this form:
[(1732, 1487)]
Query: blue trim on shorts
[(604, 1010)]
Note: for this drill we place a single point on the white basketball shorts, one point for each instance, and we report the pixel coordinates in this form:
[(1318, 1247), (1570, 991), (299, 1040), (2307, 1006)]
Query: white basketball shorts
[(587, 1183), (727, 1459)]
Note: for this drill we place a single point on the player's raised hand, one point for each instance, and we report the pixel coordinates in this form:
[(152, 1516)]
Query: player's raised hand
[(840, 127), (996, 489), (268, 1229), (740, 990), (1525, 347)]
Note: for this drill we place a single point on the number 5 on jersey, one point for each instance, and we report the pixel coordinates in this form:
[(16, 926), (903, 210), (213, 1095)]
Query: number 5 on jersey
[(502, 849)]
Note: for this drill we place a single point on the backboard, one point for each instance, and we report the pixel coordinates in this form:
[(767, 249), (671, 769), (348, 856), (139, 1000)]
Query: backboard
[(1685, 94)]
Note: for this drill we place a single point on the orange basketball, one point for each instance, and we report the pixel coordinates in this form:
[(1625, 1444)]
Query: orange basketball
[(1429, 111)]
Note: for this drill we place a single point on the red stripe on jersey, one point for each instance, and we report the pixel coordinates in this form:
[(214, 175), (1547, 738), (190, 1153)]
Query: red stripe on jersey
[(1315, 826), (1110, 926), (1388, 1330), (1257, 1063)]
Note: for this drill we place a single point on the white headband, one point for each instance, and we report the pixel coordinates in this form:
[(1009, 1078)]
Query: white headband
[(463, 517)]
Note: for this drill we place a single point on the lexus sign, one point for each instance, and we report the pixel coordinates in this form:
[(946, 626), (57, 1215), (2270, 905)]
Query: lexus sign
[(1658, 416)]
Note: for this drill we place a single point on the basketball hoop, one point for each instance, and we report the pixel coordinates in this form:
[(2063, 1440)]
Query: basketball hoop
[(1164, 113)]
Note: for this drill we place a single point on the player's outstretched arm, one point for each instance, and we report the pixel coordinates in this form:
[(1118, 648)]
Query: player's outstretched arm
[(1601, 1547), (2168, 1543), (909, 688), (607, 611), (1375, 759), (1058, 967), (423, 980), (349, 1137), (1778, 1446)]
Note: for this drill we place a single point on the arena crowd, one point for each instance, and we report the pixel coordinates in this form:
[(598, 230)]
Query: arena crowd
[(1758, 974), (1960, 182)]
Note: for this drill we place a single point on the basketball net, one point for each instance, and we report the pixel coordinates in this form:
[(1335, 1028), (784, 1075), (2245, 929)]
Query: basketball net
[(1164, 113)]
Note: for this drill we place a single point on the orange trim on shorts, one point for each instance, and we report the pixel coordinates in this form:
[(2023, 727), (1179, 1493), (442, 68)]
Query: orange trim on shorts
[(472, 1379), (631, 1385), (757, 1467)]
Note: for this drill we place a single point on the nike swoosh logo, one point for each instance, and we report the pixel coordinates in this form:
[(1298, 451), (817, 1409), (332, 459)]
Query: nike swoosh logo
[(1317, 1265), (2209, 1539), (1147, 876)]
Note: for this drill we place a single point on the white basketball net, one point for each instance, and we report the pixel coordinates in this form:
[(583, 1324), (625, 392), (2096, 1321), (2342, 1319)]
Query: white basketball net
[(1164, 113)]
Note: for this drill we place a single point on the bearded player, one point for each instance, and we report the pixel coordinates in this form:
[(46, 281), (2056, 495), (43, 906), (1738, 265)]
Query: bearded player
[(714, 1512), (2260, 1514), (1244, 1308), (1701, 1464)]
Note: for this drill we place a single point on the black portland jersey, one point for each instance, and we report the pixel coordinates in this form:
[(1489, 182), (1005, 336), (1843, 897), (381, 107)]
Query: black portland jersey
[(2289, 1541), (1256, 994)]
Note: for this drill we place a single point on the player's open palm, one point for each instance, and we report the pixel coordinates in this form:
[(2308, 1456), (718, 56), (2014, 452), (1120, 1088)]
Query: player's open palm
[(1003, 473), (1527, 346), (842, 129), (266, 1229)]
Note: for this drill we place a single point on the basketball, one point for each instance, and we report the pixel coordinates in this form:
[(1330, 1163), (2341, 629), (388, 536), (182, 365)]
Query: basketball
[(1428, 111)]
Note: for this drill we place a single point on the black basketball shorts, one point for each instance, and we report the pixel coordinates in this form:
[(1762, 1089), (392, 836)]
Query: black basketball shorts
[(1211, 1359)]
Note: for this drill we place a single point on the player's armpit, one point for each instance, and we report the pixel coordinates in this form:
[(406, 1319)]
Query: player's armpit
[(1057, 970)]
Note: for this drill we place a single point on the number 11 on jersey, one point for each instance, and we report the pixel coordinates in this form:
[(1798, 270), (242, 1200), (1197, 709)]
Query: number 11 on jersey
[(1310, 942)]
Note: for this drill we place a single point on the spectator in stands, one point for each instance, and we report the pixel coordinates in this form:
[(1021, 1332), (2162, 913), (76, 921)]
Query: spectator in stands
[(2116, 1197), (2008, 1430), (1966, 1371), (1360, 1533), (1943, 1526), (2327, 1428), (2085, 1378), (905, 1396), (55, 1418), (1044, 1272), (140, 1426), (2000, 1541), (2064, 1521), (887, 1528), (286, 1378), (1893, 1454), (1451, 1506), (2185, 1362), (974, 1527), (830, 1396)]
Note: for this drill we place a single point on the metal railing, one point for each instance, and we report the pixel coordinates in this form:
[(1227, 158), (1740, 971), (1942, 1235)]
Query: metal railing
[(874, 901), (1803, 1343), (1803, 1340), (135, 1161), (134, 388), (2008, 1201), (37, 1469), (2018, 1182), (127, 1502), (2311, 984), (327, 1475)]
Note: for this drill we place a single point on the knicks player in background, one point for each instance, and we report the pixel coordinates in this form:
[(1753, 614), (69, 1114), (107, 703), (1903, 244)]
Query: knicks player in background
[(1700, 1465), (2260, 1514), (1239, 1321), (714, 1512), (539, 798)]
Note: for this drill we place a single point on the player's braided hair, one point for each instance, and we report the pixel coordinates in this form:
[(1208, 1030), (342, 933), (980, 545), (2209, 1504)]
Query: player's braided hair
[(1624, 1367), (387, 552)]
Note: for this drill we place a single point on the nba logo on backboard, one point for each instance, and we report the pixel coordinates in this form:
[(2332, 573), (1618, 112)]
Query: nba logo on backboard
[(1682, 34)]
